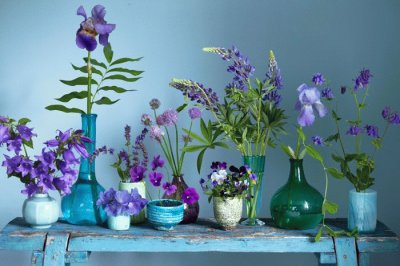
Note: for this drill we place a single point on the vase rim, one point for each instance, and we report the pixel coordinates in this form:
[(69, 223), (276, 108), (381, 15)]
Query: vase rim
[(366, 191), (40, 195), (295, 160), (155, 201), (142, 181)]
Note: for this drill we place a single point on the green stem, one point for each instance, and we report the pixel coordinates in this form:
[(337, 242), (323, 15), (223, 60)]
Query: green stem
[(89, 87), (177, 149), (297, 153), (170, 149), (358, 137)]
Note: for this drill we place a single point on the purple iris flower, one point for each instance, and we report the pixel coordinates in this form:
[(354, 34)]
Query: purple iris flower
[(30, 189), (26, 166), (318, 79), (15, 145), (157, 162), (354, 130), (317, 140), (12, 164), (91, 27), (136, 202), (4, 134), (190, 196), (194, 113), (372, 131), (25, 132), (155, 178), (309, 99), (137, 173), (169, 188)]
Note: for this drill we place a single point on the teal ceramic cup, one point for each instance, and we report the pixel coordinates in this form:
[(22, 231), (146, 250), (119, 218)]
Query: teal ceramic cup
[(362, 212), (165, 214)]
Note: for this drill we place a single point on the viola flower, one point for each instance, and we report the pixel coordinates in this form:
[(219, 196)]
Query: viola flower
[(327, 94), (219, 176), (169, 188), (253, 176), (4, 134), (318, 79), (372, 131), (91, 27), (354, 130), (309, 99), (155, 178), (190, 196), (157, 162), (155, 104), (317, 140), (194, 113), (137, 173), (25, 132), (156, 133), (362, 80)]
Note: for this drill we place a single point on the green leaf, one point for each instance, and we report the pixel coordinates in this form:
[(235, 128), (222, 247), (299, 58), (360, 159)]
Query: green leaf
[(313, 153), (302, 154), (24, 121), (204, 131), (335, 173), (73, 95), (377, 143), (181, 108), (301, 134), (319, 234), (124, 60), (95, 62), (334, 137), (221, 144), (83, 69), (289, 151), (195, 136), (330, 231), (362, 106), (115, 89), (193, 148), (108, 53), (28, 143), (62, 108), (105, 101), (335, 116), (78, 81), (200, 160), (337, 158), (121, 77), (330, 207), (125, 70)]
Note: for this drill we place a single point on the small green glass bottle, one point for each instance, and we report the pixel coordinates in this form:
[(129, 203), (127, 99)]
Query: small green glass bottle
[(297, 205)]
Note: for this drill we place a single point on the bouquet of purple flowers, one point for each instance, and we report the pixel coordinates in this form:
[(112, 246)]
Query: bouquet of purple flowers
[(53, 169), (121, 202)]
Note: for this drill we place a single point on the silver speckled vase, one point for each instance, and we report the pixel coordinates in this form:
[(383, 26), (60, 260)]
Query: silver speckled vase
[(227, 211), (362, 212)]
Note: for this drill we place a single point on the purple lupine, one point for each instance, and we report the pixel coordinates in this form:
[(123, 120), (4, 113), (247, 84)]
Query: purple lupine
[(386, 112), (317, 140), (91, 27), (157, 162), (273, 96), (137, 173), (194, 113), (169, 188), (354, 130), (362, 79), (155, 178), (372, 131), (25, 132), (318, 79), (327, 94), (274, 73), (155, 104), (309, 99), (190, 196)]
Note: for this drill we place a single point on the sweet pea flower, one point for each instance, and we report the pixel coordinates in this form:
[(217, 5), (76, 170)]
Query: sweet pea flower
[(309, 99)]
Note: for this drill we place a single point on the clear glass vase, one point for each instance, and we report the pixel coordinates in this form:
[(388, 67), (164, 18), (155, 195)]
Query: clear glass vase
[(297, 205), (253, 205), (79, 207)]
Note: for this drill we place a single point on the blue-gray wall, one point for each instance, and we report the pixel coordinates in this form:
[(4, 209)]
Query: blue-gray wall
[(335, 37)]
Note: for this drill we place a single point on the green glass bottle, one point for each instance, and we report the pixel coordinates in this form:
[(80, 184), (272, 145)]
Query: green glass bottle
[(297, 205)]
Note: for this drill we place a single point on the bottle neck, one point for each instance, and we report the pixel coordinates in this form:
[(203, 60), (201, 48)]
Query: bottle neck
[(87, 167), (296, 171)]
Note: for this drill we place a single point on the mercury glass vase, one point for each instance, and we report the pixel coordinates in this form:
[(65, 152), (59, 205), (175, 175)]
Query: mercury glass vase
[(296, 205), (79, 207), (253, 205)]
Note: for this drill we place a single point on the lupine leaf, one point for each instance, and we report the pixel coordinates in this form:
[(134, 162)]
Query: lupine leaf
[(115, 89), (62, 108), (78, 81), (195, 136), (105, 101), (121, 77), (124, 60), (221, 144), (73, 95), (125, 70), (200, 159), (95, 62), (83, 69), (193, 148), (108, 53), (181, 108)]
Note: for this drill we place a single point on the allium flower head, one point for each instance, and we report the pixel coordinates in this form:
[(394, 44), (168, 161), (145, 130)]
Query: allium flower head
[(362, 80), (372, 131), (309, 99), (194, 113), (169, 188), (168, 118), (155, 104), (156, 133), (190, 196), (317, 140), (318, 79), (91, 27), (354, 130)]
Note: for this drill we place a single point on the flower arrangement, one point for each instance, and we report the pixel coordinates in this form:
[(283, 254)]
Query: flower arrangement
[(121, 202), (220, 183), (53, 169), (89, 29)]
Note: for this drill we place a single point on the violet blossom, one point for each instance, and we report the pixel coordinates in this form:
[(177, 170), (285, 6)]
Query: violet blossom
[(327, 94), (372, 131), (190, 196), (157, 162), (137, 173), (362, 79), (317, 140), (318, 79), (169, 188), (354, 130), (155, 178), (194, 113)]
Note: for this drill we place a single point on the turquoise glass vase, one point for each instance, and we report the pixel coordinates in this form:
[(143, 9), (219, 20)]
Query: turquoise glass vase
[(297, 205), (79, 207), (253, 205)]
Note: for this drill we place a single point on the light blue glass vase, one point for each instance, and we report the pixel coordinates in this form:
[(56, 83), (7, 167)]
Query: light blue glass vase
[(79, 207), (362, 211)]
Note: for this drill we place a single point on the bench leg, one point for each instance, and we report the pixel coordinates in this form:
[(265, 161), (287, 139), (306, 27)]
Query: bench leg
[(363, 259), (326, 259), (346, 253), (55, 249), (37, 258)]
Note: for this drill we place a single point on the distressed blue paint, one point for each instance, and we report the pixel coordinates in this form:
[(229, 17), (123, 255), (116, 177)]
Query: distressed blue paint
[(77, 257), (363, 259), (55, 249), (164, 217), (37, 258), (345, 251), (327, 258)]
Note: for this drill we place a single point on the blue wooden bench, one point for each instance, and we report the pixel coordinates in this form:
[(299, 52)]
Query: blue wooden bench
[(64, 243)]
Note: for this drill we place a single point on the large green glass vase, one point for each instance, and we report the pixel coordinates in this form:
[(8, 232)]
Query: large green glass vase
[(297, 205), (79, 207), (253, 204)]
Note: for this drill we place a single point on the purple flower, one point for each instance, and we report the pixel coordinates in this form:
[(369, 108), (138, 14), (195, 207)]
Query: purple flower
[(136, 203), (169, 188), (26, 166), (45, 183), (155, 178), (155, 104), (327, 94), (394, 119), (309, 99), (156, 133), (4, 134), (146, 120), (137, 173), (3, 119), (157, 162), (64, 136), (194, 113), (15, 144), (253, 176), (386, 112), (81, 149), (69, 157), (52, 143), (343, 89), (372, 131), (12, 164), (273, 96), (317, 140), (30, 189), (363, 79), (190, 196), (127, 134), (354, 130), (48, 158), (318, 79), (25, 132), (91, 27), (140, 138), (274, 73), (168, 118)]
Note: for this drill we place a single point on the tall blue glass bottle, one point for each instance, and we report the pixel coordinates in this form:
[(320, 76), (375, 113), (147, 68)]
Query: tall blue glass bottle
[(79, 207)]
